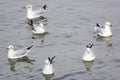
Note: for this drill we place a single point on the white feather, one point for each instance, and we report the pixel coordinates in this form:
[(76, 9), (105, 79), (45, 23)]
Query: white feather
[(48, 68), (38, 29), (88, 55), (13, 54), (104, 32), (34, 14)]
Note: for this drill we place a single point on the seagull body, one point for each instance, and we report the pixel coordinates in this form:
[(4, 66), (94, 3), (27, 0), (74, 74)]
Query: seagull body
[(48, 68), (37, 29), (88, 55), (34, 14), (17, 53), (104, 31)]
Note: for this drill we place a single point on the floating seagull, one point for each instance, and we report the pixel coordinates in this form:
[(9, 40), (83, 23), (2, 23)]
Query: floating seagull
[(48, 67), (34, 14), (88, 55), (17, 53), (37, 29), (104, 31)]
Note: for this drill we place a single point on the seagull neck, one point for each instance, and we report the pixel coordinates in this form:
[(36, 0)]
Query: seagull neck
[(107, 28), (10, 53), (29, 11)]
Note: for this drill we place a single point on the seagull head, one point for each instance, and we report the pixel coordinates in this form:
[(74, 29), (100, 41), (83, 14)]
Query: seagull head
[(47, 62), (108, 24), (89, 46), (28, 7), (10, 47)]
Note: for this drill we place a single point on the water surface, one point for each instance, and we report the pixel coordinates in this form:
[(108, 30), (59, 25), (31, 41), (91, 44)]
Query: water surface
[(70, 24)]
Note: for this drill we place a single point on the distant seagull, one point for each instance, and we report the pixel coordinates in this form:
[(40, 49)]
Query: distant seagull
[(88, 55), (35, 14), (37, 29), (48, 67), (14, 54), (104, 31)]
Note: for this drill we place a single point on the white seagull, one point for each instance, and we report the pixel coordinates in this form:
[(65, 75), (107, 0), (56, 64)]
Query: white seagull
[(104, 31), (48, 67), (14, 54), (37, 29), (88, 55), (34, 14)]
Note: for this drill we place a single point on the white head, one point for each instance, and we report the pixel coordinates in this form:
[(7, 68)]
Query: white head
[(89, 46), (28, 6), (108, 24), (47, 62), (10, 47), (88, 50)]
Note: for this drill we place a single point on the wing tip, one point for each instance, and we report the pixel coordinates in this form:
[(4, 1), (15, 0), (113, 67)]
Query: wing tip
[(30, 47)]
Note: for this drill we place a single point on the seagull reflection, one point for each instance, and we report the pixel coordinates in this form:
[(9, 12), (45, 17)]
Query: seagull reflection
[(13, 62), (106, 39), (40, 36), (48, 77), (88, 64)]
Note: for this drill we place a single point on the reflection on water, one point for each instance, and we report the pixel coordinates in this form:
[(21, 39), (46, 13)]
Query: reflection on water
[(37, 21), (106, 39), (48, 77), (13, 62), (40, 36), (108, 43), (88, 64)]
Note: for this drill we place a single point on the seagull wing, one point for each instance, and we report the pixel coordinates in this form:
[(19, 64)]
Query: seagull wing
[(100, 30), (37, 12), (22, 51)]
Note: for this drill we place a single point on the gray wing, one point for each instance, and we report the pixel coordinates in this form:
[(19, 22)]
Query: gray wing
[(20, 52), (100, 30)]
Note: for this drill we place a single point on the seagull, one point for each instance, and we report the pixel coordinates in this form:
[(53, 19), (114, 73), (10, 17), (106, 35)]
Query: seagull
[(14, 54), (37, 29), (48, 67), (88, 55), (34, 14), (104, 31)]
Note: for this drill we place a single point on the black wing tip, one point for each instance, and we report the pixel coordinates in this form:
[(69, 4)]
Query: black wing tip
[(90, 45), (51, 59), (97, 25), (30, 47), (45, 6)]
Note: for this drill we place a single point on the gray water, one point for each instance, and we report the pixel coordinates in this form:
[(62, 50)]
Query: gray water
[(70, 24)]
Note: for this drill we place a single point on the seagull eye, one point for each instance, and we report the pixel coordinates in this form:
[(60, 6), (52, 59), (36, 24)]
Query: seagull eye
[(29, 7)]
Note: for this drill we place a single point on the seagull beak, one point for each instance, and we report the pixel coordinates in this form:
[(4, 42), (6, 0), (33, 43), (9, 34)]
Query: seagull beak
[(24, 7), (111, 25)]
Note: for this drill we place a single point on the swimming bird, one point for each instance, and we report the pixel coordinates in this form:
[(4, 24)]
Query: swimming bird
[(14, 54), (37, 29), (35, 14), (103, 31), (88, 55), (48, 67)]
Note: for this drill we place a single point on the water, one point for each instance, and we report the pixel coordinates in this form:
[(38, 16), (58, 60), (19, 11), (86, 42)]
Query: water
[(70, 24)]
